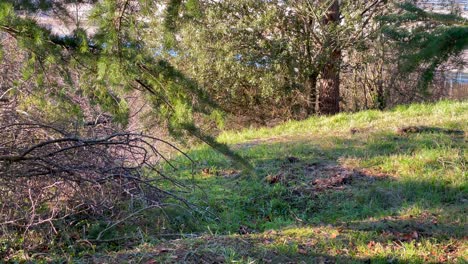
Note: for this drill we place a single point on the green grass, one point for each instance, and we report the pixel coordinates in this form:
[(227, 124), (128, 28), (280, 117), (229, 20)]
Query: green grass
[(405, 198), (423, 190)]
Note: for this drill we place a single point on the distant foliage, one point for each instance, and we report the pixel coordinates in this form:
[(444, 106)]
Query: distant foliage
[(264, 60), (426, 40)]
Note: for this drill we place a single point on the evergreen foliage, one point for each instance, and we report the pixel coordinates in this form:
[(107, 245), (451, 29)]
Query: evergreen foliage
[(266, 56), (113, 61), (425, 39)]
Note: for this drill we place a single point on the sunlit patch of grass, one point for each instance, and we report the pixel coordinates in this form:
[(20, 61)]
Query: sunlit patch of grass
[(451, 114)]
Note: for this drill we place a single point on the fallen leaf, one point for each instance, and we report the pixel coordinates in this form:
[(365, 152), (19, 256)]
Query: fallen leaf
[(443, 259), (272, 179), (450, 248), (407, 237)]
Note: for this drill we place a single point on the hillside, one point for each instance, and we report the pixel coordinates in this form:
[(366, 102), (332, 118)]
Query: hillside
[(367, 187)]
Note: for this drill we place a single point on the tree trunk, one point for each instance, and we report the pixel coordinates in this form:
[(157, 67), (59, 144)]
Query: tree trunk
[(311, 92), (329, 83)]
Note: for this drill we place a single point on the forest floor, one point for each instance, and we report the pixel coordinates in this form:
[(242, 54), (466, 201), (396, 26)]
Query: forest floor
[(367, 187)]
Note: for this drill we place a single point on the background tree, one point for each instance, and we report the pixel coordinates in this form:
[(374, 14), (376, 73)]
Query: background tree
[(272, 53)]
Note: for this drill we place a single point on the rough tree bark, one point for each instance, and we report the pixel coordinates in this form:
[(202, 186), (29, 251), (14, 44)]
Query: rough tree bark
[(329, 82)]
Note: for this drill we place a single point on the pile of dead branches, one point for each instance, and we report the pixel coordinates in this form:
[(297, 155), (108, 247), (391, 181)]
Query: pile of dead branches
[(50, 174), (56, 173)]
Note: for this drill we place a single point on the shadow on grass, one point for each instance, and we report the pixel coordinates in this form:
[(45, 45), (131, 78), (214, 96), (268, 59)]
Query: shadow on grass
[(212, 249), (395, 175), (271, 248), (394, 198), (385, 191)]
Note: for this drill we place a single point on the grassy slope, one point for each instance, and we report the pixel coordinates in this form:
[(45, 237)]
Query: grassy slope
[(401, 197)]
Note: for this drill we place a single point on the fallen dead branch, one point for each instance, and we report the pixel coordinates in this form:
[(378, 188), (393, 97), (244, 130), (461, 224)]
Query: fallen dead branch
[(50, 174)]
